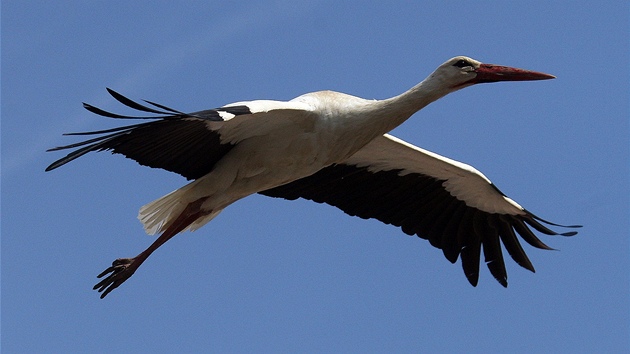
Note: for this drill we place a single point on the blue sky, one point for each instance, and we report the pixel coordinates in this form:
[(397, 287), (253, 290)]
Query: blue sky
[(276, 276)]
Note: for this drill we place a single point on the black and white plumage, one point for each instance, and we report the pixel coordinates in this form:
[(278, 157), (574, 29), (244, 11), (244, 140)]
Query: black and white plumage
[(331, 148)]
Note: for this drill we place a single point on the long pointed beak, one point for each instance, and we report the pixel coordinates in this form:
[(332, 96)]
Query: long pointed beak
[(494, 73)]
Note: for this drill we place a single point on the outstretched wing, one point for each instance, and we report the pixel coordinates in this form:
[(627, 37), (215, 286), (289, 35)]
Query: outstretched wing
[(449, 203), (189, 144)]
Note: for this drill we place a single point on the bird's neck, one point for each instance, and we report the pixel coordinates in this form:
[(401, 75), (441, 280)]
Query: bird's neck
[(390, 113), (371, 119)]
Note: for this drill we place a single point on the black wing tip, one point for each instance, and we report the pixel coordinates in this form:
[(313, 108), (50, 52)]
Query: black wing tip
[(473, 279), (55, 164), (537, 223), (163, 112), (525, 263), (502, 281)]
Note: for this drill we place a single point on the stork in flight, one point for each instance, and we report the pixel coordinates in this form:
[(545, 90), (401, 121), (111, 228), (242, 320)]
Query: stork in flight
[(328, 147)]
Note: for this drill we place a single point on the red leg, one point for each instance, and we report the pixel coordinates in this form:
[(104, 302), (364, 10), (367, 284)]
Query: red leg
[(123, 268)]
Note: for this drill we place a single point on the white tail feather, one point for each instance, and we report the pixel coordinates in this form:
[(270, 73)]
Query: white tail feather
[(157, 215)]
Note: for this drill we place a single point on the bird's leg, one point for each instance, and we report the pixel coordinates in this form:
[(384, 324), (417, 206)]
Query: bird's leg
[(123, 268)]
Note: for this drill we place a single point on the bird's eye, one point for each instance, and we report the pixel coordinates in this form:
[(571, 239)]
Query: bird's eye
[(462, 63)]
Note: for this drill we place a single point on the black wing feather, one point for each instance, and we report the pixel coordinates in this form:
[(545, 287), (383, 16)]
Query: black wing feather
[(135, 105), (512, 245), (471, 246), (492, 248)]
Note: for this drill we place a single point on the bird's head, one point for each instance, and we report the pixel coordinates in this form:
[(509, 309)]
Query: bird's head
[(460, 72)]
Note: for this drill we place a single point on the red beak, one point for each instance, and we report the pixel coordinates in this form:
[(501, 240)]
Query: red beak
[(494, 73)]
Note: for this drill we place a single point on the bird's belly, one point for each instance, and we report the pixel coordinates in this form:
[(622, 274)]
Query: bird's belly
[(273, 162), (257, 164)]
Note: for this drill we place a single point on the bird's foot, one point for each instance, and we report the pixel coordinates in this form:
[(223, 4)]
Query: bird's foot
[(121, 270)]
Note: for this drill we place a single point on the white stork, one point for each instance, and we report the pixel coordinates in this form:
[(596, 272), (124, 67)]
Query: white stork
[(331, 148)]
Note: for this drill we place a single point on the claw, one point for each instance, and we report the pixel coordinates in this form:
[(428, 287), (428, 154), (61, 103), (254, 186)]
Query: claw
[(121, 269)]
